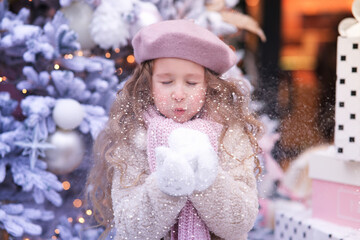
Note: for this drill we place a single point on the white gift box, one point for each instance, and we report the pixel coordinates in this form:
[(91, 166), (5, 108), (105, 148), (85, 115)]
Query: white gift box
[(296, 223), (335, 188), (347, 113)]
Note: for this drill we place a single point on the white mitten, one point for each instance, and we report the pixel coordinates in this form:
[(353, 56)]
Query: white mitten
[(174, 174), (196, 148)]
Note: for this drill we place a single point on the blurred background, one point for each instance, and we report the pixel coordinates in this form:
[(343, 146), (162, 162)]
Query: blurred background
[(297, 68), (80, 51)]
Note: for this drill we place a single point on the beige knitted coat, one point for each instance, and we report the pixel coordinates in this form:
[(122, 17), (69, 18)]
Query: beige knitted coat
[(228, 207)]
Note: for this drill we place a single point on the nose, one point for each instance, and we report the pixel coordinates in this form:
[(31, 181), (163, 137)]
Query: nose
[(178, 93)]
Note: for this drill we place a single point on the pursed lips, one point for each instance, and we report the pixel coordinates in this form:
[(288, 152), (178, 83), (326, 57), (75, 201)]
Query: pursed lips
[(179, 110)]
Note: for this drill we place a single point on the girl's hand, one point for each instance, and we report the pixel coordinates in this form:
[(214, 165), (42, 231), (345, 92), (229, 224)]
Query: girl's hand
[(195, 147), (174, 174)]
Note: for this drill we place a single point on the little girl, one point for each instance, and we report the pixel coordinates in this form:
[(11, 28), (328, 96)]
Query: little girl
[(177, 159)]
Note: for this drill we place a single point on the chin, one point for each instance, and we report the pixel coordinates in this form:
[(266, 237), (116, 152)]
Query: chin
[(180, 120)]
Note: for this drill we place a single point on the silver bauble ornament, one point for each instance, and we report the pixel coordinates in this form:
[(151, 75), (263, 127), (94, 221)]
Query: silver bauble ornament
[(79, 15), (67, 154), (68, 113)]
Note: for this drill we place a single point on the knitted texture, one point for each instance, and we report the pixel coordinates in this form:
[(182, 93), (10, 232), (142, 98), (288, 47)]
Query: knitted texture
[(190, 225)]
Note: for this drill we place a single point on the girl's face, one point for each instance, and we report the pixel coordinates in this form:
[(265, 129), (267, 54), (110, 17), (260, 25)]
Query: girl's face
[(178, 88)]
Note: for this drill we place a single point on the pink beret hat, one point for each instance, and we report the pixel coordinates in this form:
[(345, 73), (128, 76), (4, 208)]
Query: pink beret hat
[(186, 40)]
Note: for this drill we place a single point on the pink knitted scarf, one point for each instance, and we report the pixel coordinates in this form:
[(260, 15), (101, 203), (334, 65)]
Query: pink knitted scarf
[(189, 225)]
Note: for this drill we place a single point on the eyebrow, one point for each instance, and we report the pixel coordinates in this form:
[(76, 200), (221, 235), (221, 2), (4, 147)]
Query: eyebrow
[(162, 75), (169, 75)]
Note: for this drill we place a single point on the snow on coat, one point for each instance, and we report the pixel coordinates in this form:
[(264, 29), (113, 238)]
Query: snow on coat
[(228, 207)]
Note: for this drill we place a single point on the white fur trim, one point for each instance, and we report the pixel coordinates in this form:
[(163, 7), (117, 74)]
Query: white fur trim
[(140, 138)]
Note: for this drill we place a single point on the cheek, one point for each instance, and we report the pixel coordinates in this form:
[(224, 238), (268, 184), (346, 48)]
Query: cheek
[(159, 99), (198, 96)]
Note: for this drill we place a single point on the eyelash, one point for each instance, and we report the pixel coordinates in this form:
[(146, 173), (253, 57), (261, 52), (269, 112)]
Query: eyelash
[(166, 83), (169, 82)]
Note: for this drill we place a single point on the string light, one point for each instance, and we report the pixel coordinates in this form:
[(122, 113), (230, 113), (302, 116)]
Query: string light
[(117, 50), (2, 79), (80, 53), (68, 56), (130, 59), (88, 212), (70, 219), (119, 71), (56, 66), (26, 238), (81, 220), (107, 55), (53, 237), (77, 203), (66, 185), (24, 91), (57, 231)]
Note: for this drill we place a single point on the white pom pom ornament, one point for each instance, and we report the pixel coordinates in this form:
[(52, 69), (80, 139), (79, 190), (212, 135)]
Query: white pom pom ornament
[(148, 14), (68, 114), (108, 29), (79, 15)]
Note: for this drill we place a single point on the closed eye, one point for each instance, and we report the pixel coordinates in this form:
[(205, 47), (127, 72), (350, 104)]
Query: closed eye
[(166, 82), (192, 83)]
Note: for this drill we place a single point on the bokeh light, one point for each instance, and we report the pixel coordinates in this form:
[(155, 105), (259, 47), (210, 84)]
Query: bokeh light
[(66, 185), (130, 59), (77, 203), (81, 220)]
